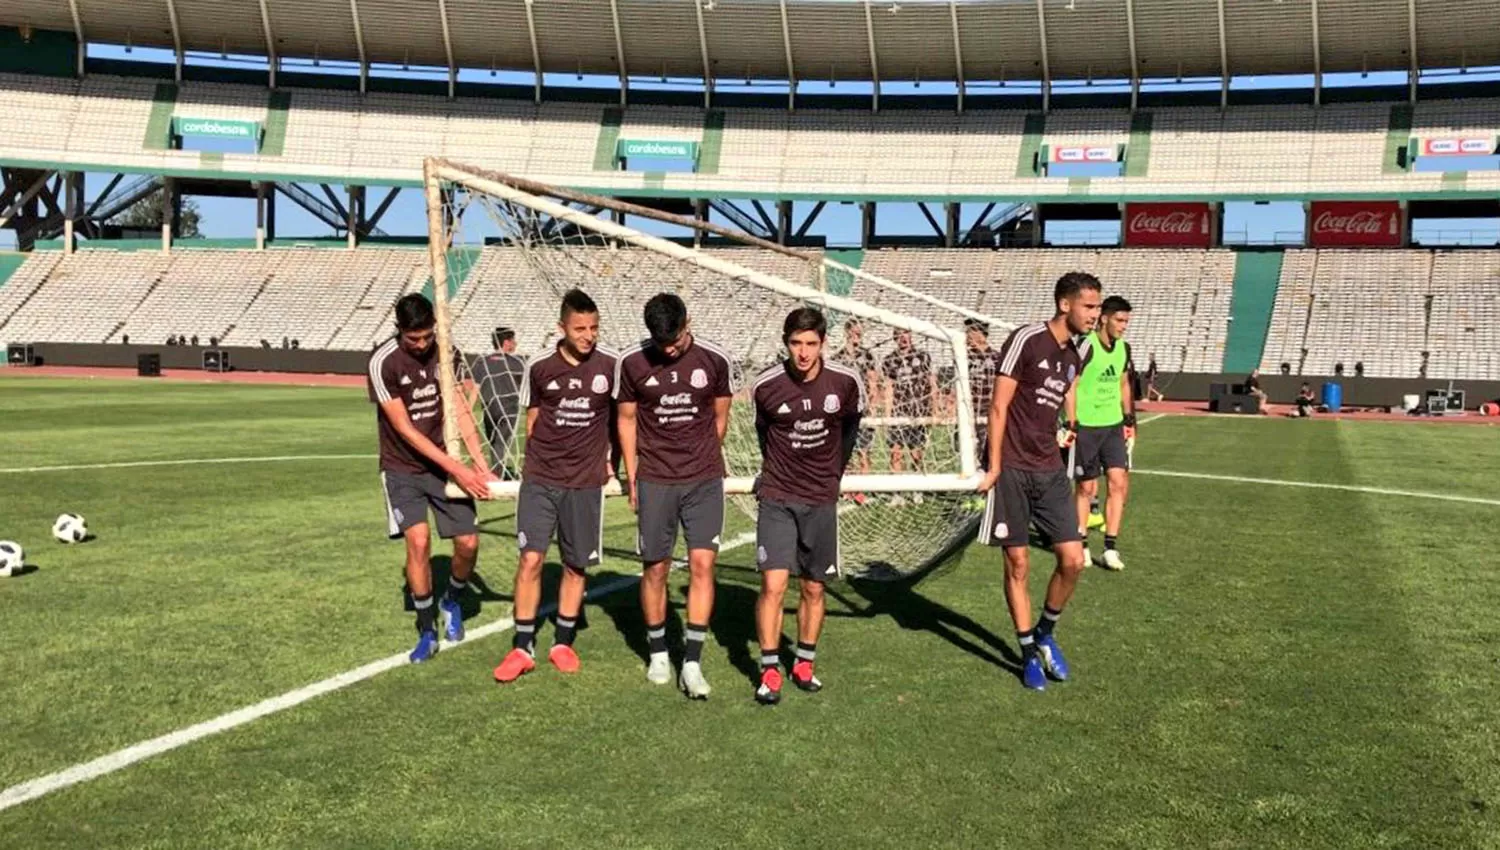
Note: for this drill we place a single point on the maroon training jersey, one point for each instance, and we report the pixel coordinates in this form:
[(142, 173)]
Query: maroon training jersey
[(909, 374), (392, 373), (984, 367), (1043, 369), (569, 446), (676, 437), (802, 425)]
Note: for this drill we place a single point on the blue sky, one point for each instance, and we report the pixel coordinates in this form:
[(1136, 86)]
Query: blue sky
[(235, 218)]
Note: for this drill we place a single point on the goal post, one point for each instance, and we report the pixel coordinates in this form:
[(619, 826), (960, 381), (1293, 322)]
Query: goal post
[(918, 437)]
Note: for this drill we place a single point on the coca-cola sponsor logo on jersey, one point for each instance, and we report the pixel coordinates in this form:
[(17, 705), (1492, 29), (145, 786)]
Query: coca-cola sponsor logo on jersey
[(1177, 225), (1357, 224)]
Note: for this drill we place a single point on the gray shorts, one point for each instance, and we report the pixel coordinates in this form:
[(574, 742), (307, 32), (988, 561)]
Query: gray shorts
[(1098, 449), (1021, 498), (697, 506), (801, 538), (576, 517), (409, 495)]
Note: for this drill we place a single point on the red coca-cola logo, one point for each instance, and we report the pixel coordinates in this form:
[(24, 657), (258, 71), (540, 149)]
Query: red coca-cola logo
[(1173, 222), (1355, 224), (1368, 223), (1168, 225)]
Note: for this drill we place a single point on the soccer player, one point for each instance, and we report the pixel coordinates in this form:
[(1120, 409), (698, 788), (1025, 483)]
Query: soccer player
[(910, 391), (1026, 481), (807, 413), (498, 376), (857, 357), (984, 367), (673, 393), (1101, 411), (568, 394), (414, 469)]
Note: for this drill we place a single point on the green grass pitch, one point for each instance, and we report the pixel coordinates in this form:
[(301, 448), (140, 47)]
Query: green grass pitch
[(1277, 667)]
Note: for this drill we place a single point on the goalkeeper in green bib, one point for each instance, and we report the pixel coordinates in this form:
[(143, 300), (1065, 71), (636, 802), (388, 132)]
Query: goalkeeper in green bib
[(1101, 411)]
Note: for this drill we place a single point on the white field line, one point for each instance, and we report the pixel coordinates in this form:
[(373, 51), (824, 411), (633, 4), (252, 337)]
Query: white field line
[(137, 464), (1149, 419), (1313, 485), (120, 759), (1317, 485)]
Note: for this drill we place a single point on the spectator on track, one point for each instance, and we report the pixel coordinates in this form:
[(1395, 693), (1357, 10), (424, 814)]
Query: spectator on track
[(1305, 402), (1252, 387), (1152, 392)]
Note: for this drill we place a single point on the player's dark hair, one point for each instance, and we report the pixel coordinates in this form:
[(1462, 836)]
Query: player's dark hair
[(1115, 304), (501, 336), (576, 301), (414, 313), (665, 317), (804, 319), (852, 323), (972, 324), (1073, 283)]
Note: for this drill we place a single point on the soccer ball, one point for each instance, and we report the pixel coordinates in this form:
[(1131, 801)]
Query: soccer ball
[(12, 558), (69, 528)]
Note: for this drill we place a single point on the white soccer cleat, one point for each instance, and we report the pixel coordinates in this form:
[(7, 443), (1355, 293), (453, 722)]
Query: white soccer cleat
[(659, 671), (1112, 560), (692, 681), (1088, 557)]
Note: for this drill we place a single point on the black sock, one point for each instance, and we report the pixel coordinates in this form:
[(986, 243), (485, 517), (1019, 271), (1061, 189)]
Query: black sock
[(1110, 540), (1094, 505), (456, 588), (1028, 645), (807, 651), (1048, 622), (693, 639), (567, 629), (656, 637), (770, 659), (426, 614), (525, 638)]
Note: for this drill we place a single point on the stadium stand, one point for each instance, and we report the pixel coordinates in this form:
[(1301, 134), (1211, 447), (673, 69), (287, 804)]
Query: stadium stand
[(1400, 313), (1180, 298), (337, 134)]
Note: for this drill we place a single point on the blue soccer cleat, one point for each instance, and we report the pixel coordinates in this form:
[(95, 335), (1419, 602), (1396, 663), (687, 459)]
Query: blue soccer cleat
[(453, 619), (1052, 657), (427, 647), (1032, 675)]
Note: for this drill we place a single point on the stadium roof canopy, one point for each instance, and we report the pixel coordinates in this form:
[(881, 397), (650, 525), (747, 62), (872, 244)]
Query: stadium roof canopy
[(965, 41)]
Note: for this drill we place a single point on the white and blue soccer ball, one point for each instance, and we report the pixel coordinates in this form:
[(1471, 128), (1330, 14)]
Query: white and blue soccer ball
[(12, 558), (70, 528)]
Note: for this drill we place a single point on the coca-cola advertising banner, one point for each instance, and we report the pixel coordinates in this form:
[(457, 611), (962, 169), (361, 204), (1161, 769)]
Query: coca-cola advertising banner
[(1355, 224), (1169, 225)]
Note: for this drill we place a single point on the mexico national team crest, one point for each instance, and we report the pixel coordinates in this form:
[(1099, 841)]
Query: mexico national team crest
[(830, 403), (699, 379), (601, 384)]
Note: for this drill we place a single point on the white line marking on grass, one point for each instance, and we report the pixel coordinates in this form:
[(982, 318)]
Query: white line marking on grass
[(120, 759), (1317, 485), (136, 464), (1149, 419)]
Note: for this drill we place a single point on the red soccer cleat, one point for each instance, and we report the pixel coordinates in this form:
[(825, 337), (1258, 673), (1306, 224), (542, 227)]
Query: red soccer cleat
[(516, 662), (563, 658), (803, 678), (769, 692)]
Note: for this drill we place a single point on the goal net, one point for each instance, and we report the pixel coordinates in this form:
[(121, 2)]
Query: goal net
[(506, 249)]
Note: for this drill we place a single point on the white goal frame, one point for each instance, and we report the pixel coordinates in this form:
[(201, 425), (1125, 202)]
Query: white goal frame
[(442, 175)]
